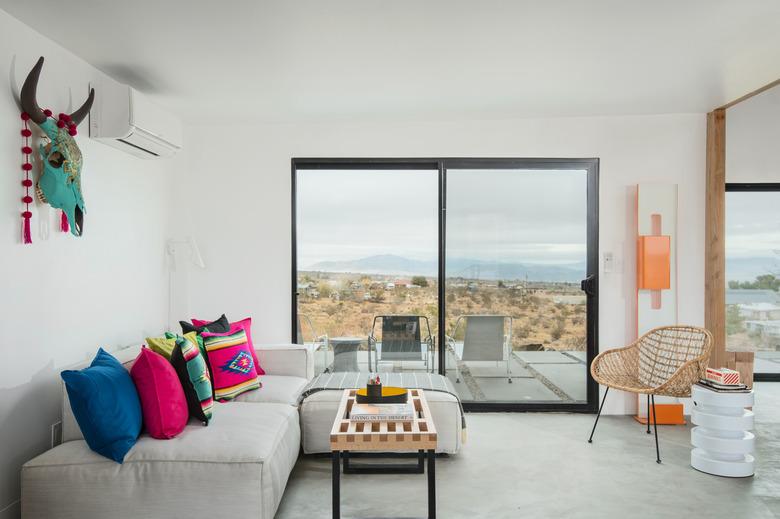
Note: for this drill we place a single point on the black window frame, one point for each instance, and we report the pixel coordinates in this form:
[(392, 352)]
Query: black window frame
[(753, 187), (441, 164)]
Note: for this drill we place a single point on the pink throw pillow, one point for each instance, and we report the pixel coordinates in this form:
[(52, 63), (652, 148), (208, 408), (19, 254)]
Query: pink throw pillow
[(163, 404), (231, 364), (246, 325)]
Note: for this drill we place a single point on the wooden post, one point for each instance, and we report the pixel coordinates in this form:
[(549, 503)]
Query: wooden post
[(715, 228), (715, 251)]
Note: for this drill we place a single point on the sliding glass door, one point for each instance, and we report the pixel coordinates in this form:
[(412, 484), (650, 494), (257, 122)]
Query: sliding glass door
[(366, 258), (496, 257), (516, 254)]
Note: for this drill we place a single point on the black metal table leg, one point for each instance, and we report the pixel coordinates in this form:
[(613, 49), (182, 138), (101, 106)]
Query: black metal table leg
[(382, 468), (431, 484), (335, 480)]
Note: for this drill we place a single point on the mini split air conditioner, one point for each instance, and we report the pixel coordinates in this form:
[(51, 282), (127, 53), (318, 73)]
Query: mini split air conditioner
[(124, 118)]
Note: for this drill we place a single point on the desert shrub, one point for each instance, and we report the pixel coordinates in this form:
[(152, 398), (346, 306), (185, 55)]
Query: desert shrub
[(558, 328), (420, 281), (324, 289), (522, 332)]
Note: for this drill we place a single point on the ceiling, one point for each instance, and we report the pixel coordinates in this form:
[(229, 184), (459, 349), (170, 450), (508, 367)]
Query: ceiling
[(372, 60)]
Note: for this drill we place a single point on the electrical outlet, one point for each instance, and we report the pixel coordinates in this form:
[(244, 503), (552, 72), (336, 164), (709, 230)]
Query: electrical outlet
[(56, 434)]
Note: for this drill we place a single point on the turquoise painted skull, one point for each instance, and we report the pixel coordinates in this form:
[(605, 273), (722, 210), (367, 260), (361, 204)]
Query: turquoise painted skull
[(60, 182)]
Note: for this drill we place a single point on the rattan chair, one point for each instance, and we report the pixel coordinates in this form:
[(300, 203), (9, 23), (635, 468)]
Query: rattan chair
[(665, 361)]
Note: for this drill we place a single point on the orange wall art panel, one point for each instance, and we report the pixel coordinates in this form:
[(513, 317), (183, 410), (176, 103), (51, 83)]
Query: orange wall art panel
[(653, 263)]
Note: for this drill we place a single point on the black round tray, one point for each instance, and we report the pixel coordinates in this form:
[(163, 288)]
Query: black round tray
[(390, 395)]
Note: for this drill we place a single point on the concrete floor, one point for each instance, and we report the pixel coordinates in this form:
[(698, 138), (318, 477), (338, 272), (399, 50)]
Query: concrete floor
[(540, 465)]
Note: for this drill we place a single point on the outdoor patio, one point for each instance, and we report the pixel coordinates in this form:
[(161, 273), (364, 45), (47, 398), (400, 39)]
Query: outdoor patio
[(537, 376)]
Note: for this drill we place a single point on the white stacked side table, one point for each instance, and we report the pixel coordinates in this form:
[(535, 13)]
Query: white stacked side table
[(722, 441)]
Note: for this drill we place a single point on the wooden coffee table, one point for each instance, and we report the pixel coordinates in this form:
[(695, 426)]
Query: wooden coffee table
[(384, 437)]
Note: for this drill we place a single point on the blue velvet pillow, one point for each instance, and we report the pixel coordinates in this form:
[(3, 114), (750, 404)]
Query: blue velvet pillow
[(106, 406)]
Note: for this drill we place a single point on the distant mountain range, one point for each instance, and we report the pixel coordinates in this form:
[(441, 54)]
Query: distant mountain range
[(456, 267), (746, 269), (739, 269)]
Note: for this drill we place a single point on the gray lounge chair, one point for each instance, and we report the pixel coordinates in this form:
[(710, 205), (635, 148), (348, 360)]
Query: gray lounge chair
[(484, 340), (402, 340)]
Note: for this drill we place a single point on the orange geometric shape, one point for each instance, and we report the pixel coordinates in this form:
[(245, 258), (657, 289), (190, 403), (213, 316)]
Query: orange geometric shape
[(653, 263)]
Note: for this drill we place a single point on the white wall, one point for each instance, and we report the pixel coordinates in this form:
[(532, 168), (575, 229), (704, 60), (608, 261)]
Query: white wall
[(62, 297), (753, 139), (234, 197)]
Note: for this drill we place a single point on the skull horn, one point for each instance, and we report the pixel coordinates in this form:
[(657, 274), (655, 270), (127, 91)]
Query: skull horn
[(28, 96), (82, 112)]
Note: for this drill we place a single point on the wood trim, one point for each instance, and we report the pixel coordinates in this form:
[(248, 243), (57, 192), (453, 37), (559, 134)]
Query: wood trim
[(714, 228), (747, 96)]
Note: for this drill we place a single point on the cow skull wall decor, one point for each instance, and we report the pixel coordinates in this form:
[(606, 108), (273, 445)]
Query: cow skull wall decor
[(60, 182)]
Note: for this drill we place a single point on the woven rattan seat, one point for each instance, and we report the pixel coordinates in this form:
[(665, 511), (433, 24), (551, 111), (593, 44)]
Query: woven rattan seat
[(665, 361)]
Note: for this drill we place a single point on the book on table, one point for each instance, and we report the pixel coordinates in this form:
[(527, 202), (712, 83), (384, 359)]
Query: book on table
[(382, 412), (723, 388)]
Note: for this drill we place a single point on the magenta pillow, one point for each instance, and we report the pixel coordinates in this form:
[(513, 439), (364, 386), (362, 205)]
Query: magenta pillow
[(163, 404), (232, 366), (246, 325)]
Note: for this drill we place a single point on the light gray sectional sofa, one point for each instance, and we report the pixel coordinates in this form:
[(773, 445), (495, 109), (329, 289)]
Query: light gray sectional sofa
[(238, 466)]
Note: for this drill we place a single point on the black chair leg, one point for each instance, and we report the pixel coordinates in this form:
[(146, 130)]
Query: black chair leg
[(655, 426), (590, 440), (648, 414)]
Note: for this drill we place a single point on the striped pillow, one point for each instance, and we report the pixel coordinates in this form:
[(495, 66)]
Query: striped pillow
[(193, 374), (231, 364)]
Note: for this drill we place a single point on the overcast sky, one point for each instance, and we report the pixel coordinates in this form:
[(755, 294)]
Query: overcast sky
[(498, 215), (752, 224)]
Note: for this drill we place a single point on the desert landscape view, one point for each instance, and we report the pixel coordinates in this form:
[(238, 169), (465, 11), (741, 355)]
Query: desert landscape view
[(546, 315)]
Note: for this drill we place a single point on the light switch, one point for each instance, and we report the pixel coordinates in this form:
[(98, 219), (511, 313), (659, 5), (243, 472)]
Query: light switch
[(609, 262), (613, 263)]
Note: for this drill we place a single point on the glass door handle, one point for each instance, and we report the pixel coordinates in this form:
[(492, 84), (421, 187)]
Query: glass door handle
[(588, 285)]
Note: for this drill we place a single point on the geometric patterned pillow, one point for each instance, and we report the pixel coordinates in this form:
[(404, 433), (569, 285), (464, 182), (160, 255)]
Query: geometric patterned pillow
[(231, 364), (246, 324), (194, 376)]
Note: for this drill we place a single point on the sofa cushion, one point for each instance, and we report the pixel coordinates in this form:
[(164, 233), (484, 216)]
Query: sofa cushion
[(232, 364), (106, 405), (162, 397), (70, 428), (193, 372), (239, 465), (162, 345), (278, 389), (221, 325), (244, 324)]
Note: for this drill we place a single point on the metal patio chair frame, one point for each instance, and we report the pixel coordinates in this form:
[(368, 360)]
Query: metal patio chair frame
[(506, 343), (429, 340)]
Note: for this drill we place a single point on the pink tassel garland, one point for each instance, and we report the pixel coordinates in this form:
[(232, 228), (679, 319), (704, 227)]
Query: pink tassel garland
[(26, 232), (64, 227)]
